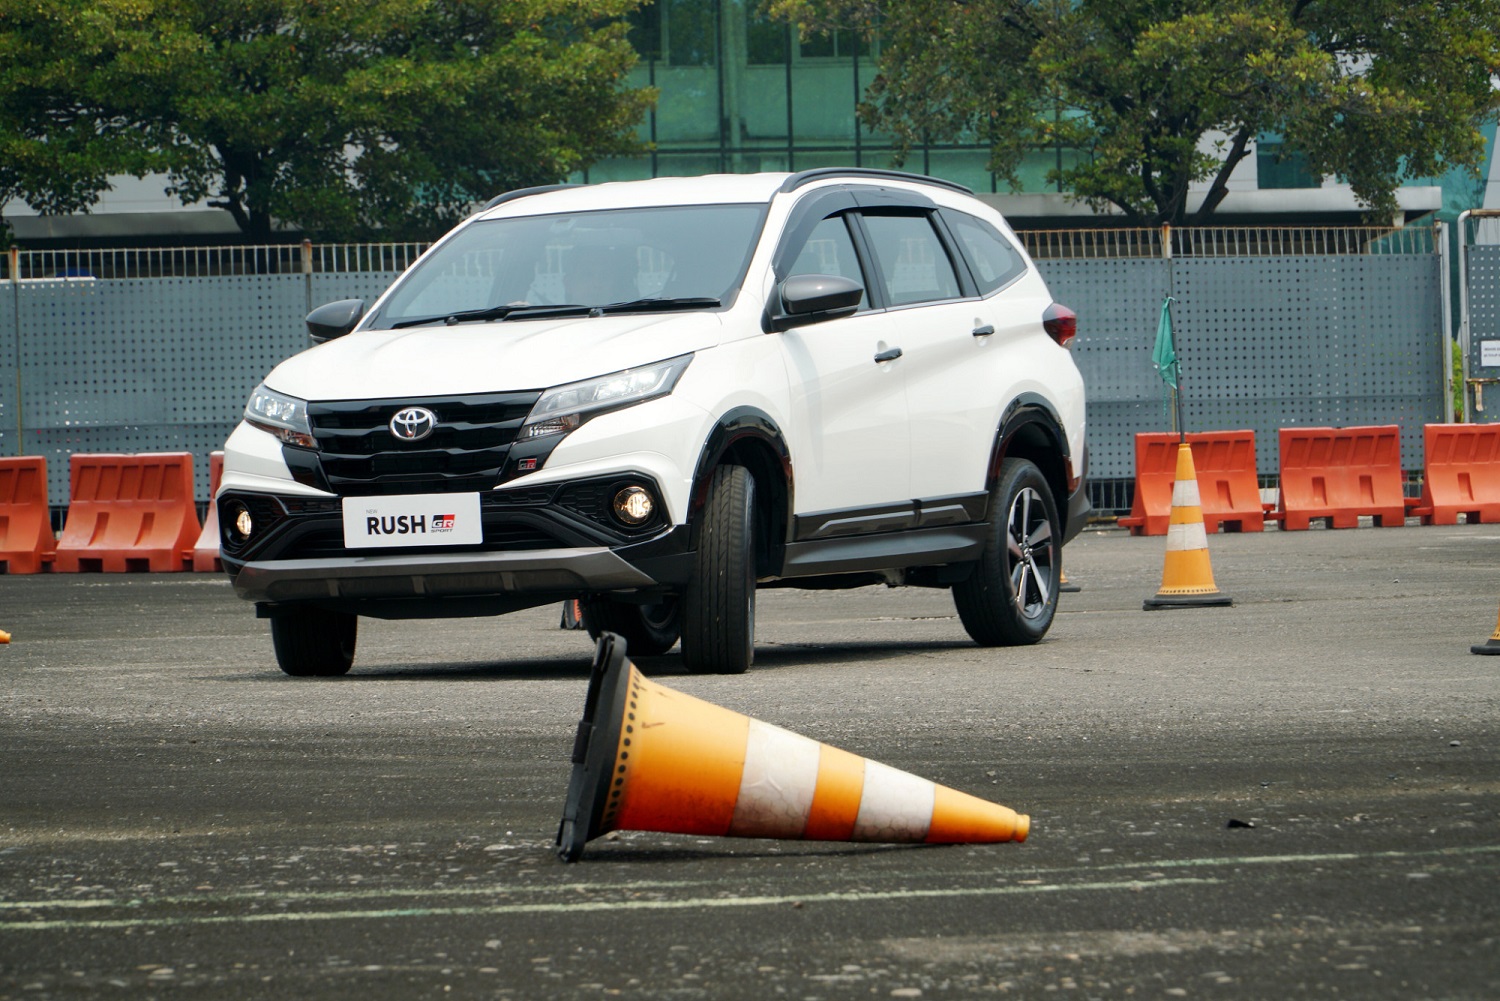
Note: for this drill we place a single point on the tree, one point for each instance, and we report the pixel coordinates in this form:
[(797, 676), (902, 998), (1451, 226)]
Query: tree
[(57, 149), (352, 119), (1157, 95)]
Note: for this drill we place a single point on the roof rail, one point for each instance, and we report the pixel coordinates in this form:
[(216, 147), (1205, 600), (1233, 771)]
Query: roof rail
[(802, 177), (511, 196)]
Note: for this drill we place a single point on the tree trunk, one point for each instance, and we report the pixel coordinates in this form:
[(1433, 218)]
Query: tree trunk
[(1217, 191)]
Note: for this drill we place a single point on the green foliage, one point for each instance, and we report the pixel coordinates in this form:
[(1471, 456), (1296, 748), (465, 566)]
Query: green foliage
[(344, 118), (58, 146), (1162, 94), (1456, 385)]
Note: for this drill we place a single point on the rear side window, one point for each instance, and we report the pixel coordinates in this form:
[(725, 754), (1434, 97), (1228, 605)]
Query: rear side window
[(994, 260), (911, 259)]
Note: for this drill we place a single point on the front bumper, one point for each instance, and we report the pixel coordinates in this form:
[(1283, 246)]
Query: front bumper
[(542, 543), (538, 575)]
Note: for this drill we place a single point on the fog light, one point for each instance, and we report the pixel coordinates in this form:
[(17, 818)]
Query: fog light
[(241, 524), (633, 506)]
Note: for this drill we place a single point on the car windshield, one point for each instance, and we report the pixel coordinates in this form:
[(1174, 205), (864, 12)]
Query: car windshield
[(682, 255)]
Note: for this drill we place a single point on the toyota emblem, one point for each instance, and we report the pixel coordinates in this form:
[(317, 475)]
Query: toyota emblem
[(413, 423)]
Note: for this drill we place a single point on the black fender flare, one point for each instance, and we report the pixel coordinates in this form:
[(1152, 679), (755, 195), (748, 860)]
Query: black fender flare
[(749, 433), (1031, 413)]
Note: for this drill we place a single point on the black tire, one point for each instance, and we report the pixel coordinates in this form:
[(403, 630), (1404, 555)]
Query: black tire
[(1011, 597), (718, 605), (314, 642), (648, 630)]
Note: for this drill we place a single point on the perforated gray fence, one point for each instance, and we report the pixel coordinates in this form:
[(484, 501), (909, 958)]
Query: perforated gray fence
[(1266, 341), (1483, 295), (147, 364), (1263, 342)]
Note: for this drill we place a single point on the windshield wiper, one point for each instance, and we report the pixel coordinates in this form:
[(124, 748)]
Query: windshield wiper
[(462, 316), (649, 305), (654, 304)]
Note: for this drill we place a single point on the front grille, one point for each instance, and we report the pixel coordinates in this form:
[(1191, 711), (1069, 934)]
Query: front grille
[(329, 543), (466, 451)]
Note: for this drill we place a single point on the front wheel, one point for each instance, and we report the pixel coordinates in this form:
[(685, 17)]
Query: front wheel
[(718, 604), (648, 630), (1011, 597), (313, 642)]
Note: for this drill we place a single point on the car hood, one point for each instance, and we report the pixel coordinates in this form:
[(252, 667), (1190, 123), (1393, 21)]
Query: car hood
[(495, 357)]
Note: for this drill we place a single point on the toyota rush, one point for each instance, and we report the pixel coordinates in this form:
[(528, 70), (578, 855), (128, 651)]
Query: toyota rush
[(659, 396)]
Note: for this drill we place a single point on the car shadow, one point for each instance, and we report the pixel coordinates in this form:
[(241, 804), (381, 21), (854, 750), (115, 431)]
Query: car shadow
[(768, 657)]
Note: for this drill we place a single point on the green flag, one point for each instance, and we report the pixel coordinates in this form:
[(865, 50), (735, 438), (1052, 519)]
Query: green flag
[(1164, 355)]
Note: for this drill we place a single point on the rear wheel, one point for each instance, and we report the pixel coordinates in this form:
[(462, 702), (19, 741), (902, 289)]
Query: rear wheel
[(648, 630), (1011, 597), (718, 605), (313, 642)]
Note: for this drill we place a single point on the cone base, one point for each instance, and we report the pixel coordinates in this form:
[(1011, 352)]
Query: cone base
[(1490, 647), (1186, 601), (594, 749)]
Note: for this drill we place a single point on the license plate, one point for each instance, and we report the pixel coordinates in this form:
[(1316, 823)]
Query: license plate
[(412, 520)]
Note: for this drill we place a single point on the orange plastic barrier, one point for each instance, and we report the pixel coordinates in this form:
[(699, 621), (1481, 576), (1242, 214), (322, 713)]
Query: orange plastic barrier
[(26, 540), (1338, 474), (128, 513), (206, 551), (1461, 474), (1228, 490)]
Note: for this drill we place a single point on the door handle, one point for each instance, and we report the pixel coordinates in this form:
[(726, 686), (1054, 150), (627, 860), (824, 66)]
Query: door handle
[(984, 331), (889, 354)]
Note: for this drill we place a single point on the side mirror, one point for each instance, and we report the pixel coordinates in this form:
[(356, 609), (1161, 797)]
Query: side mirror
[(334, 319), (814, 298)]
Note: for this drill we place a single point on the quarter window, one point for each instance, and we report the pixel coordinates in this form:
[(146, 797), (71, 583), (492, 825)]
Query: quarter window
[(911, 258), (995, 261)]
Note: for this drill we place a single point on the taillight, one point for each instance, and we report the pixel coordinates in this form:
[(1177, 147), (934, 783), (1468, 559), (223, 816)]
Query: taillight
[(1061, 323)]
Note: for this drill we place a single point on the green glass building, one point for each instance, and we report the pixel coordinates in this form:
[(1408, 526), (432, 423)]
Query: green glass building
[(742, 93)]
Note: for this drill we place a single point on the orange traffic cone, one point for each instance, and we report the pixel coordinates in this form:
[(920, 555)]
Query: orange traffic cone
[(1187, 579), (648, 758), (4, 636), (1490, 646)]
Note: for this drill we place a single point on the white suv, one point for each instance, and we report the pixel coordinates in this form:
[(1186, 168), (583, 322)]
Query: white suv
[(658, 396)]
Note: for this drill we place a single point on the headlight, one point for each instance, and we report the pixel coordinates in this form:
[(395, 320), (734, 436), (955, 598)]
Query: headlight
[(283, 416), (563, 408)]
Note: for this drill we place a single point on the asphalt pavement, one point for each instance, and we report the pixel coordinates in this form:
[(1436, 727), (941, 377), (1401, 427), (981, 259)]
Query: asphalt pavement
[(1296, 796)]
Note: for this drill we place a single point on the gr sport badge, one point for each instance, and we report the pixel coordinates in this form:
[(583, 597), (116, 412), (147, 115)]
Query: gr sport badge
[(413, 423)]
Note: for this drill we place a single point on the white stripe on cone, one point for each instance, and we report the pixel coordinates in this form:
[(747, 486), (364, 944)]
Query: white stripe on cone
[(777, 784), (1185, 494), (895, 806), (1189, 535)]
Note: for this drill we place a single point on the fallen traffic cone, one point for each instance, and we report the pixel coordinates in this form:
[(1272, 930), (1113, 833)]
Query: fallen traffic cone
[(1187, 579), (648, 758), (4, 636), (1490, 646)]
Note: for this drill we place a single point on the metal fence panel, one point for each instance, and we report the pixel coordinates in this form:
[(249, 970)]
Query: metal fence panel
[(9, 407), (147, 365), (1118, 303), (1311, 341), (1264, 343), (1484, 326), (349, 285)]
